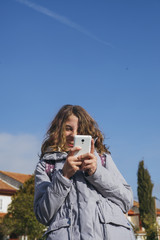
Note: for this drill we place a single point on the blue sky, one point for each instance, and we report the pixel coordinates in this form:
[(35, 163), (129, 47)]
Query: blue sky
[(102, 55)]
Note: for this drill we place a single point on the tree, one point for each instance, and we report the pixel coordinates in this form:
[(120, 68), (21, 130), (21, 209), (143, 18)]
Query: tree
[(20, 218), (146, 202)]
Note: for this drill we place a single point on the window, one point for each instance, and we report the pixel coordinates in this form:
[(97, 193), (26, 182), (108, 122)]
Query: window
[(0, 204)]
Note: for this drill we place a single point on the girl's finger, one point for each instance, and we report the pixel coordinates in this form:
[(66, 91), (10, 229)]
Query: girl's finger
[(92, 146), (73, 150), (86, 156)]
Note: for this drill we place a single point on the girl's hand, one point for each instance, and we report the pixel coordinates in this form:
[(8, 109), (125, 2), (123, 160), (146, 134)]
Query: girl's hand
[(89, 161), (72, 163)]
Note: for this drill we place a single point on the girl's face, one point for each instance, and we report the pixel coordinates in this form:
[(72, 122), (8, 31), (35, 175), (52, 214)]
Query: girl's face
[(71, 129)]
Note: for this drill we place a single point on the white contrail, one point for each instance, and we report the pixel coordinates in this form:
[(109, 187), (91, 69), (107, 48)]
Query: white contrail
[(61, 19)]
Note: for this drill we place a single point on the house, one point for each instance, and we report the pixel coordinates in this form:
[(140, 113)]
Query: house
[(9, 183)]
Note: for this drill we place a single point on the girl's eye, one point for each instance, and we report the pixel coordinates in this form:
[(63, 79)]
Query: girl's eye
[(68, 128)]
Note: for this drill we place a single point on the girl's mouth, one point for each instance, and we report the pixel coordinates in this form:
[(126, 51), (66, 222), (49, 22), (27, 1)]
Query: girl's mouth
[(70, 144)]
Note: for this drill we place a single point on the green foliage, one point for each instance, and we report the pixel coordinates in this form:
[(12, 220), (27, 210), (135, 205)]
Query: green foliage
[(21, 218), (2, 229), (151, 227), (146, 202)]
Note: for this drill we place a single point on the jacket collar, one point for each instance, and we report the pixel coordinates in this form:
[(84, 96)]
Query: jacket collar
[(54, 156)]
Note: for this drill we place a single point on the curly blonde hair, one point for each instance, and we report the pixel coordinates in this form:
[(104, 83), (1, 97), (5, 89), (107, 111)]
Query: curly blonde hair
[(55, 139)]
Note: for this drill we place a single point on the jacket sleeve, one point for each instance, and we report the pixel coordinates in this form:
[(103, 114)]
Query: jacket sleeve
[(49, 195), (111, 184)]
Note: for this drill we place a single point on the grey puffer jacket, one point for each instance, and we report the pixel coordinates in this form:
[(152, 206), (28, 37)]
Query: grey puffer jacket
[(83, 207)]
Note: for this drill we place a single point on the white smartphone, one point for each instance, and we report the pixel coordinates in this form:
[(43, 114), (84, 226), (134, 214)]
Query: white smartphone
[(83, 141)]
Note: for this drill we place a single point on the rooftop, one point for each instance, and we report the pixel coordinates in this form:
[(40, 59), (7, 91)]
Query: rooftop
[(20, 177), (5, 186), (6, 189)]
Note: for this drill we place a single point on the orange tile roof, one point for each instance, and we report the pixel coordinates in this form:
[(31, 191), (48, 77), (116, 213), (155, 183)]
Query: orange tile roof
[(4, 186), (6, 189), (158, 211), (17, 176), (130, 212)]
